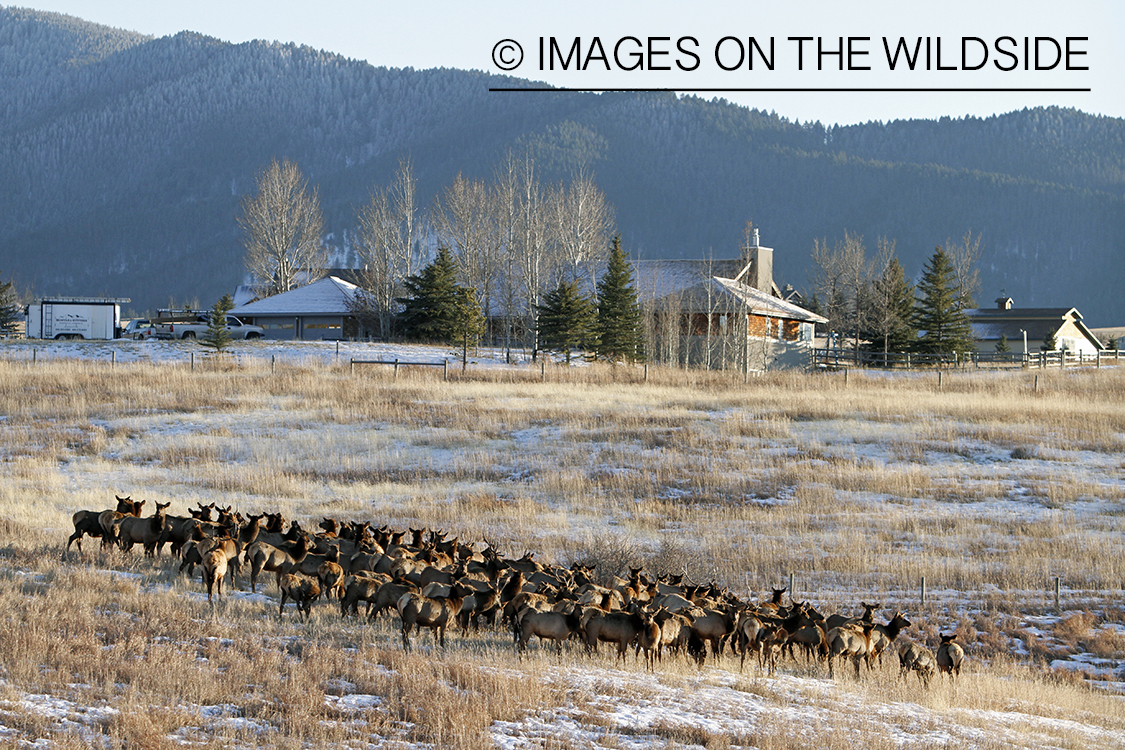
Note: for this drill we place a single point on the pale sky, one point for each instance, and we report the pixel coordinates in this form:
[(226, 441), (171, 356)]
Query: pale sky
[(461, 34)]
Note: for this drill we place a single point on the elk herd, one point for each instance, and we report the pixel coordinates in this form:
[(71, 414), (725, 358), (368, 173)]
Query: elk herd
[(434, 582)]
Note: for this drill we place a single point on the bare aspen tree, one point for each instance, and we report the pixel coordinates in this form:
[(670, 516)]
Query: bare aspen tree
[(582, 223), (465, 221), (389, 227), (282, 222), (842, 276), (532, 247), (965, 258), (508, 220), (828, 281)]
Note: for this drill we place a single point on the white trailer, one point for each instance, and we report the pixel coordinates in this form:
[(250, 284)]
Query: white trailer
[(75, 318)]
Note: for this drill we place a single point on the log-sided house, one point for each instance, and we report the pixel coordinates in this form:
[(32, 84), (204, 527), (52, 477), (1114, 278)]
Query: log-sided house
[(723, 313)]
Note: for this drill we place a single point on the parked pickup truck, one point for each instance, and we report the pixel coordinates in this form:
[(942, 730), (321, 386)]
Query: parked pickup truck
[(197, 327)]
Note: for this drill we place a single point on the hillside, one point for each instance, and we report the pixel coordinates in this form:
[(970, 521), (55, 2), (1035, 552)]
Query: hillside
[(123, 159)]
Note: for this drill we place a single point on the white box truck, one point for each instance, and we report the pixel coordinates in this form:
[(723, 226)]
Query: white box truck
[(74, 318)]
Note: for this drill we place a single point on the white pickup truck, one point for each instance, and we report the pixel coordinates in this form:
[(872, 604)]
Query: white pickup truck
[(196, 328)]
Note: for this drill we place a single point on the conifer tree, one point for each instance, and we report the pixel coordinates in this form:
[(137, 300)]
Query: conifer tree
[(566, 320), (1049, 343), (217, 336), (430, 308), (938, 313), (9, 308), (619, 312), (1002, 346), (892, 310), (440, 309)]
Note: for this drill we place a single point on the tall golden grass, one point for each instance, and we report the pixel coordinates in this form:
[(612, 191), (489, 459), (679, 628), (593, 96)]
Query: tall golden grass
[(987, 487)]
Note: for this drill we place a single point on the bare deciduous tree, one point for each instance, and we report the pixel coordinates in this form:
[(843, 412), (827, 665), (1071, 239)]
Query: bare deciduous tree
[(965, 258), (465, 221), (283, 224), (389, 226), (581, 224)]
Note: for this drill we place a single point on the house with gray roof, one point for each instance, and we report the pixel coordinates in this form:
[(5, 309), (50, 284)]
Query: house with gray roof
[(1036, 323), (322, 310)]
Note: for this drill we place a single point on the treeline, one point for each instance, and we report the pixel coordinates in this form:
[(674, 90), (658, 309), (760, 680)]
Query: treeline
[(123, 160)]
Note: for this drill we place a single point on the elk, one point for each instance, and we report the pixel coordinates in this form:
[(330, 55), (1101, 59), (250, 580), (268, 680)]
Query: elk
[(917, 658), (850, 642), (214, 570), (950, 655), (331, 577), (302, 590), (360, 588), (555, 626), (264, 556), (613, 627), (420, 611), (835, 621), (88, 522), (882, 636), (147, 532)]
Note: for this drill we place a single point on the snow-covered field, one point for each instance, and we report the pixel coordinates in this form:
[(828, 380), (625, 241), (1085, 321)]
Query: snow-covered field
[(857, 498)]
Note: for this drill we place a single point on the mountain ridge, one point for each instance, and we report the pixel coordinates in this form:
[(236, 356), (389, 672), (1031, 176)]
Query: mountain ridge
[(122, 165)]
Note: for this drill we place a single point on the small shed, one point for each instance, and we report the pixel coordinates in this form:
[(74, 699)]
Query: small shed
[(322, 310)]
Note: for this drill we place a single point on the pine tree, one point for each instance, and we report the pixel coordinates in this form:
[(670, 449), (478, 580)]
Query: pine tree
[(1049, 343), (566, 320), (440, 309), (217, 336), (619, 313), (892, 311), (430, 311), (9, 308), (469, 323), (938, 313), (1002, 346)]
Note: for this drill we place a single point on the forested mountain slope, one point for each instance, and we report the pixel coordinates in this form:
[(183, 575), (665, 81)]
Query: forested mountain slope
[(123, 159)]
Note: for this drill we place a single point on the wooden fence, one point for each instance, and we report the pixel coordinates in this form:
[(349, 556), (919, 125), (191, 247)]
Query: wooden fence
[(841, 358)]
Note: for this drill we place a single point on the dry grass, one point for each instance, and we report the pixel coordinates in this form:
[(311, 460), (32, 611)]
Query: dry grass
[(986, 488)]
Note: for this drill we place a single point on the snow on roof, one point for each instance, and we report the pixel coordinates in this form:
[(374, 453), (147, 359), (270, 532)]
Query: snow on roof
[(761, 303), (328, 296)]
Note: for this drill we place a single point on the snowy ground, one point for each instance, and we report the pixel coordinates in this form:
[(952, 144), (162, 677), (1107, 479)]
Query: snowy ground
[(253, 352), (628, 708)]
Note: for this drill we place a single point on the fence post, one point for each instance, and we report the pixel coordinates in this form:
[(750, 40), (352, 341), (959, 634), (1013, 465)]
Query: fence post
[(112, 359), (543, 370), (1036, 384), (646, 372), (34, 355), (923, 591), (337, 352), (791, 585), (939, 380), (273, 363), (193, 361), (352, 365), (1099, 355), (1057, 590), (445, 369), (396, 368)]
